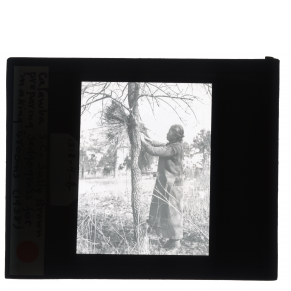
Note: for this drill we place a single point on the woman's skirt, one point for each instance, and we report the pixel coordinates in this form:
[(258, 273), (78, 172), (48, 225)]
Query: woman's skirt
[(166, 210)]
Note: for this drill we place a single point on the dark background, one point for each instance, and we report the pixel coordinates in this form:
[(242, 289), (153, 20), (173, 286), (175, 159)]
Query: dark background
[(244, 168)]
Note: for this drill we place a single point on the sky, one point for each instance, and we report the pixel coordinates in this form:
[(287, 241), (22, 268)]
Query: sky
[(164, 117)]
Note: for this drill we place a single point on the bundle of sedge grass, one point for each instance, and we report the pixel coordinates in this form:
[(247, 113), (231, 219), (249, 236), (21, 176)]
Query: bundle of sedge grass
[(116, 121)]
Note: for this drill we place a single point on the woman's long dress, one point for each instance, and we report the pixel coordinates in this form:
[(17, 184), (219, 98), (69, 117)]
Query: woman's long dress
[(166, 210)]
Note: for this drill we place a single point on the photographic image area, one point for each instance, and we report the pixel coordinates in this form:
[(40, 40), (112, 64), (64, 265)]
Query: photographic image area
[(144, 168)]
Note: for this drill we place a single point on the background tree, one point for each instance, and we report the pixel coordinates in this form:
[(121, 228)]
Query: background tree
[(89, 148), (127, 162), (186, 148), (107, 159), (114, 126), (124, 114), (202, 143)]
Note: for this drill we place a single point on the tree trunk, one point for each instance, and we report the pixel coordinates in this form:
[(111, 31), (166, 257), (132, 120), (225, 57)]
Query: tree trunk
[(140, 230)]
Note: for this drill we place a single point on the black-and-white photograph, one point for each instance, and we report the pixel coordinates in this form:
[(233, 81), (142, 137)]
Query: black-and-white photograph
[(144, 168)]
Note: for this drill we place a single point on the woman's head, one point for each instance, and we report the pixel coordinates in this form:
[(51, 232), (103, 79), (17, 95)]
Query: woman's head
[(176, 133)]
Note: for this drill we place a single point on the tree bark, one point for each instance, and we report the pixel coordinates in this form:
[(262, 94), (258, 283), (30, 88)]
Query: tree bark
[(140, 228)]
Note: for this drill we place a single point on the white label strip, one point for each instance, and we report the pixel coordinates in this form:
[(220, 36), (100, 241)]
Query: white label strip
[(29, 166)]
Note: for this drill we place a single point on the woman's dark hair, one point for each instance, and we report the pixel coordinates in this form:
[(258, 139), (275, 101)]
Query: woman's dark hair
[(179, 131)]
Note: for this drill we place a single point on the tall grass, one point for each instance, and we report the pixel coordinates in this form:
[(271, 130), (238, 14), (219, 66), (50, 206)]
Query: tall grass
[(105, 222)]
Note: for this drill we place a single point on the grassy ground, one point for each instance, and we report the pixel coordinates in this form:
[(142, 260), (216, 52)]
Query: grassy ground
[(105, 222)]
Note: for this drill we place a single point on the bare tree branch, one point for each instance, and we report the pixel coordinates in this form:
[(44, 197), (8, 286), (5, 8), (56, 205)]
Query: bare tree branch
[(106, 96), (106, 85), (190, 109), (171, 91), (96, 100), (173, 109), (166, 96)]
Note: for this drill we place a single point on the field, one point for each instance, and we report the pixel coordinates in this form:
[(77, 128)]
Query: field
[(105, 221)]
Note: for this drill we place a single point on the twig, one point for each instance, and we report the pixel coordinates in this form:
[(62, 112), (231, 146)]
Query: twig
[(166, 96), (173, 109), (197, 228), (101, 233)]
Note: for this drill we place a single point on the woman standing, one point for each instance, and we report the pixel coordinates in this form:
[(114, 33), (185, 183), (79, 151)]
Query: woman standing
[(166, 210)]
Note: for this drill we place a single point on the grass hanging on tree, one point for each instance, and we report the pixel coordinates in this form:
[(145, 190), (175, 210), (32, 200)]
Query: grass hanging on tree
[(116, 120)]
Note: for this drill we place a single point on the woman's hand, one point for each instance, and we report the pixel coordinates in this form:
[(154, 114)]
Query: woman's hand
[(147, 139)]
